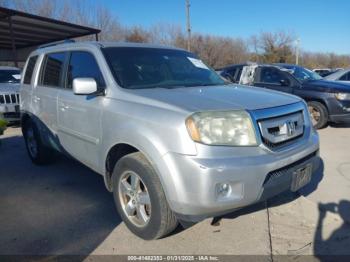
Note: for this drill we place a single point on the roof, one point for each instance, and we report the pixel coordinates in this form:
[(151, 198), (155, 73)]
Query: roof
[(137, 45), (337, 75), (32, 30), (65, 46), (9, 68)]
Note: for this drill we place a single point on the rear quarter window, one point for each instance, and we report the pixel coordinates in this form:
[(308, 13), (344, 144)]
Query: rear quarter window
[(29, 70)]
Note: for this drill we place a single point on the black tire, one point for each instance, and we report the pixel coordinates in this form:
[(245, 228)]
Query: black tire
[(319, 109), (43, 154), (162, 220)]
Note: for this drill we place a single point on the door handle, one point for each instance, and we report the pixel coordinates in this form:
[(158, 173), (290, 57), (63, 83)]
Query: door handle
[(64, 107), (36, 99)]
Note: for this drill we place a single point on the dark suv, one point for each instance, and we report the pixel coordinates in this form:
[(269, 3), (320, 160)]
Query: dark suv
[(327, 100)]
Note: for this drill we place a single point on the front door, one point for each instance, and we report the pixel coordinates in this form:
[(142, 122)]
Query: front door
[(79, 116)]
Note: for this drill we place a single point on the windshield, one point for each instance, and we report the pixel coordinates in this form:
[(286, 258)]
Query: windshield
[(303, 74), (136, 68), (10, 76)]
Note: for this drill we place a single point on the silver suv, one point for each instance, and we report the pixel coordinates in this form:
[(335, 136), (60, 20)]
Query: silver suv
[(9, 93), (172, 140)]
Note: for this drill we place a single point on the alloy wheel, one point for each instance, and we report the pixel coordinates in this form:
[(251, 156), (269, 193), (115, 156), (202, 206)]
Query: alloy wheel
[(315, 115), (134, 198)]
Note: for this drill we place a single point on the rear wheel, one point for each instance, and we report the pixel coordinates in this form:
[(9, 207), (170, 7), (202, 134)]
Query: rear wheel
[(318, 113), (37, 151), (140, 199)]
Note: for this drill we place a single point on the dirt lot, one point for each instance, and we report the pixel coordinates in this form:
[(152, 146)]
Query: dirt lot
[(64, 209)]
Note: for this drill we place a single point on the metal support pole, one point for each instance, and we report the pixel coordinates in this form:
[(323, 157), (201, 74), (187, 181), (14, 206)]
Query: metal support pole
[(188, 25), (96, 36), (13, 43), (297, 51)]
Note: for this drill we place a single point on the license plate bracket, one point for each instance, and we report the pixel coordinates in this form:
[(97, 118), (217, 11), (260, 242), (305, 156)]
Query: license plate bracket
[(301, 177)]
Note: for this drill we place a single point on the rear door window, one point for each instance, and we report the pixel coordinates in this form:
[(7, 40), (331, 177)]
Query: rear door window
[(52, 71), (271, 76), (345, 77), (29, 70), (83, 64), (231, 74)]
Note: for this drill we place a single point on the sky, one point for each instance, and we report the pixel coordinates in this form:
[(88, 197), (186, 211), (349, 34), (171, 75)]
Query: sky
[(321, 25)]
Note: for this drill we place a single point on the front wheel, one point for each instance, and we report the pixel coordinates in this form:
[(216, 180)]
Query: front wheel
[(318, 113), (140, 199)]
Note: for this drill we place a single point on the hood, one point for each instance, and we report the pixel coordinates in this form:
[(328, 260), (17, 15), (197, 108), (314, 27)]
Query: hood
[(327, 86), (9, 88), (230, 97)]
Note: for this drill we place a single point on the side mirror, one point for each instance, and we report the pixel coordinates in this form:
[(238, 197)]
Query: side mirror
[(84, 86), (285, 82)]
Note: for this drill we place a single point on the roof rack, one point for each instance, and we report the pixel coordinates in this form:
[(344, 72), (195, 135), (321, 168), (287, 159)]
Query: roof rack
[(57, 43)]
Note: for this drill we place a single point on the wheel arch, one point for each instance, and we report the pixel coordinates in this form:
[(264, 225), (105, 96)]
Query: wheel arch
[(114, 154), (24, 118), (319, 100)]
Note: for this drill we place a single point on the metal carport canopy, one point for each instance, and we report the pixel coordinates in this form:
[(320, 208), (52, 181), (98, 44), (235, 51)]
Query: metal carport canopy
[(19, 30)]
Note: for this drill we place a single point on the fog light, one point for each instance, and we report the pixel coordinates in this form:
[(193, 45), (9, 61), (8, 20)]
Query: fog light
[(223, 189)]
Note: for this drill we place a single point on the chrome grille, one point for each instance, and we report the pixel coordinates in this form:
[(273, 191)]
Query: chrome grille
[(9, 98), (281, 130)]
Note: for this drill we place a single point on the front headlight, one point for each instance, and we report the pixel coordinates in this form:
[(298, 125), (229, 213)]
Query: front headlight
[(228, 128), (342, 96)]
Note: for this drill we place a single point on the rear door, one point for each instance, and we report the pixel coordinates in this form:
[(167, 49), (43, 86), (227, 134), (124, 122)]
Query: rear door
[(44, 97), (79, 116), (28, 81), (273, 78)]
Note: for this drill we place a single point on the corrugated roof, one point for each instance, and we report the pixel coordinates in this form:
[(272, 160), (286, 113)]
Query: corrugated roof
[(32, 30)]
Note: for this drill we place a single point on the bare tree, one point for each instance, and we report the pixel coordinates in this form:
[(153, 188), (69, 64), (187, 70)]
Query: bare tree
[(219, 51), (216, 51), (138, 35), (165, 34), (273, 47)]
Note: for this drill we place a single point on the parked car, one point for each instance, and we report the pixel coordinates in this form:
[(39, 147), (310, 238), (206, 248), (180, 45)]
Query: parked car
[(327, 100), (323, 71), (9, 93), (172, 140), (341, 75)]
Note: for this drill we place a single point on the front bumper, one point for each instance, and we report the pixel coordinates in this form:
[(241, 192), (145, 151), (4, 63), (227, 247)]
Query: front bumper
[(192, 187), (339, 111), (10, 113), (342, 118)]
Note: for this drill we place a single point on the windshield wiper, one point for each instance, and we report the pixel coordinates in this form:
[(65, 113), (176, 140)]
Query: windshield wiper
[(203, 84), (171, 86)]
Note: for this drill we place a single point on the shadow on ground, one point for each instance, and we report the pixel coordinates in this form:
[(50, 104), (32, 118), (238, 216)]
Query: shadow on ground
[(339, 125), (338, 242), (62, 208)]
